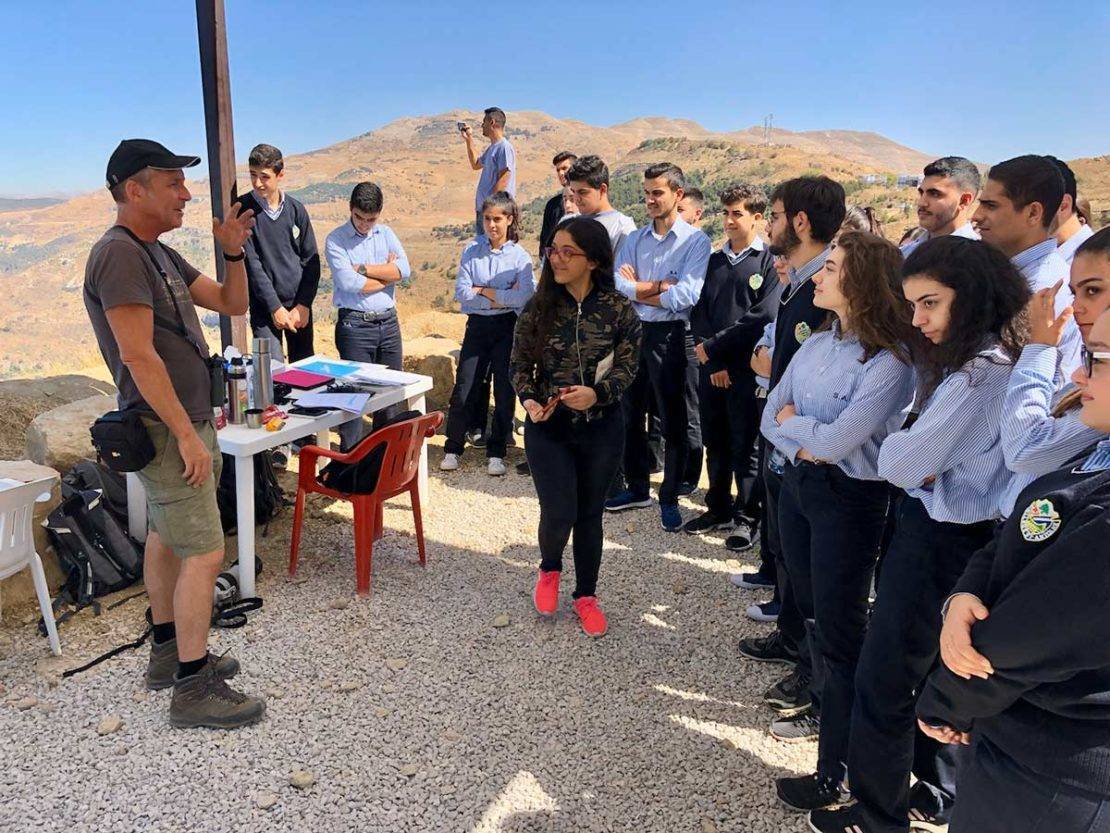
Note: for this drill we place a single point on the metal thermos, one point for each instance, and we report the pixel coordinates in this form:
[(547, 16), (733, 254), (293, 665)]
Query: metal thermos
[(263, 381), (237, 392)]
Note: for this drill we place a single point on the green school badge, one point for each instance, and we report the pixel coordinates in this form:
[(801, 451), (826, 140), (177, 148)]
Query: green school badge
[(1040, 521), (755, 281), (802, 332)]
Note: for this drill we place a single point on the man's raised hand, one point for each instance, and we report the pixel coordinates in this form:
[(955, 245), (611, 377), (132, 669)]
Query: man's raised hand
[(232, 233)]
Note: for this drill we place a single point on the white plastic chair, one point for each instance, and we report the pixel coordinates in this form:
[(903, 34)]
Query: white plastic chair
[(17, 544)]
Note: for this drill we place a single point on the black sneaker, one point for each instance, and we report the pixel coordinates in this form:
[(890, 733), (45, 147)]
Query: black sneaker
[(523, 468), (848, 819), (707, 521), (686, 489), (795, 729), (770, 648), (790, 695), (925, 820), (476, 439), (811, 792)]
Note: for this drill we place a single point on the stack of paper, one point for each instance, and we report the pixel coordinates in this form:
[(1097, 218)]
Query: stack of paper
[(384, 376), (354, 403)]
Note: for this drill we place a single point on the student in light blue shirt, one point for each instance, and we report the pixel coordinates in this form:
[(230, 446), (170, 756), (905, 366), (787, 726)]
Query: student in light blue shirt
[(1041, 429), (846, 389), (1020, 199), (494, 282), (367, 262), (945, 200), (497, 162), (661, 269), (967, 300)]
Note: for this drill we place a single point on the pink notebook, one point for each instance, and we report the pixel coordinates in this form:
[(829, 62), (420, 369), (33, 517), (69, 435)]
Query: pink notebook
[(302, 379)]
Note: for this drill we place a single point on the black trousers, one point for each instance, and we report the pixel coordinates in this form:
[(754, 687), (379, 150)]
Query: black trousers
[(667, 375), (298, 344), (831, 526), (791, 624), (573, 462), (376, 341), (999, 795), (488, 337), (477, 404), (729, 427), (922, 565)]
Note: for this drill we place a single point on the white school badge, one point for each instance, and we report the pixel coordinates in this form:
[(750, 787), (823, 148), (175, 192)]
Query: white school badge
[(755, 281), (296, 232), (802, 332), (1040, 521)]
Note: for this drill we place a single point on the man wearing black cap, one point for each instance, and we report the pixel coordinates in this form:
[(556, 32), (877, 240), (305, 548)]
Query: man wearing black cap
[(141, 297)]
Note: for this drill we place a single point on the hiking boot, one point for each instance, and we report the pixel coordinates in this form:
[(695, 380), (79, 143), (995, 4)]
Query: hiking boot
[(203, 699), (770, 648), (796, 729), (811, 792), (593, 620), (163, 665), (790, 695), (706, 522), (546, 594)]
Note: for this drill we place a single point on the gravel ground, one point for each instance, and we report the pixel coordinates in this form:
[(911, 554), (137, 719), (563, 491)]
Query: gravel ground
[(420, 708)]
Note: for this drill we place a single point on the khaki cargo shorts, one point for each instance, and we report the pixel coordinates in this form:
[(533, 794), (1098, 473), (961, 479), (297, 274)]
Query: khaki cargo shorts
[(187, 519)]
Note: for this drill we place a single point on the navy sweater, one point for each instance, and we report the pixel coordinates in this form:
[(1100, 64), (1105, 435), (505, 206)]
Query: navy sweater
[(1047, 704), (730, 314), (797, 318), (283, 263)]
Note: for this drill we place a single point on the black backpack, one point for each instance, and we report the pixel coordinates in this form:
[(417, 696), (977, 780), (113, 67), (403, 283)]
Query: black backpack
[(86, 475), (268, 495), (94, 551), (361, 478)]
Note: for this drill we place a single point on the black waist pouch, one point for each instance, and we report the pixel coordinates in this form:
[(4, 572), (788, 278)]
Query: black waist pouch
[(121, 441)]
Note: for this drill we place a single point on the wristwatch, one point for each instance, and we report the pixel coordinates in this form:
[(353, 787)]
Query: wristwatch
[(235, 258)]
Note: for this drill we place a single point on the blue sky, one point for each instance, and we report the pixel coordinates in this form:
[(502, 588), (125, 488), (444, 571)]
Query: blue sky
[(995, 80)]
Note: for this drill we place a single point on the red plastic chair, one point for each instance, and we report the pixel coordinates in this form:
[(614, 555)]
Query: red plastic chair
[(403, 442)]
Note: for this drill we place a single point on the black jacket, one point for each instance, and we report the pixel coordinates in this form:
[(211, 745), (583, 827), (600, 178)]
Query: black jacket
[(1045, 578), (552, 214), (736, 303)]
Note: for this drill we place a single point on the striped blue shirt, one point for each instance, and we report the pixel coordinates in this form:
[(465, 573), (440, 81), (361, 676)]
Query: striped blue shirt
[(957, 441), (681, 255), (507, 270), (1067, 249), (800, 276), (766, 340), (1034, 442), (1042, 267), (845, 409), (346, 250), (1099, 459), (966, 230)]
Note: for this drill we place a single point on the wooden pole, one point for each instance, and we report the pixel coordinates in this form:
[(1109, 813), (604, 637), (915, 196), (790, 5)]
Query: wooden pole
[(216, 83)]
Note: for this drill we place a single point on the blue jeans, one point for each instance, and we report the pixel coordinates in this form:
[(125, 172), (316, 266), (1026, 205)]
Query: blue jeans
[(366, 337)]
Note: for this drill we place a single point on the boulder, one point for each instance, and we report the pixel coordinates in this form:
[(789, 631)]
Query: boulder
[(18, 592), (60, 437), (21, 400), (436, 357)]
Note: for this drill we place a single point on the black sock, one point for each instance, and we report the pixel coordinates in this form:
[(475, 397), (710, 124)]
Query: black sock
[(164, 633), (188, 669)]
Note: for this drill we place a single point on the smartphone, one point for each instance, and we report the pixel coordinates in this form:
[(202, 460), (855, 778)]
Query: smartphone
[(461, 125), (550, 406)]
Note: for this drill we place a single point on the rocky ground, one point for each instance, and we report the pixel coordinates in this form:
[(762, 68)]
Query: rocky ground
[(441, 703)]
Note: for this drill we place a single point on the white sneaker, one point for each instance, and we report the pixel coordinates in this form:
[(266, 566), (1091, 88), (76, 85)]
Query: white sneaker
[(450, 462), (496, 467)]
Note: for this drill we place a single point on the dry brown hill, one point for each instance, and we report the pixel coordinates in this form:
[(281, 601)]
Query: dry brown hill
[(421, 165)]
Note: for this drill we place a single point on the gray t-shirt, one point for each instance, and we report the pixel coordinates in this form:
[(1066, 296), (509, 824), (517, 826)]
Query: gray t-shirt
[(498, 157), (118, 272), (618, 225)]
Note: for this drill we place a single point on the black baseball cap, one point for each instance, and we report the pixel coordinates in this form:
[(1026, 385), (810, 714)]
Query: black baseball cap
[(133, 155)]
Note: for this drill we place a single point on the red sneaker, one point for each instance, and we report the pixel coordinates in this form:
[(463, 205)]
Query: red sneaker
[(546, 595), (593, 620)]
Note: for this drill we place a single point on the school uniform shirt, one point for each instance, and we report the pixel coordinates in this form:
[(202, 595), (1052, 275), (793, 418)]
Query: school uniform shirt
[(1045, 581), (739, 297), (956, 439), (681, 255), (1067, 249), (966, 230), (499, 156), (1034, 442), (346, 249), (766, 340), (797, 317), (507, 270), (1042, 267), (845, 408)]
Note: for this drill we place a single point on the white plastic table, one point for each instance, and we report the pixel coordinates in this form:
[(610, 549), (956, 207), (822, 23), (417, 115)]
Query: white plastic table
[(243, 443)]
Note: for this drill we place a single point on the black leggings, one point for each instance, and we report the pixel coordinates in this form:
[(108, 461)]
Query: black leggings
[(572, 462)]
